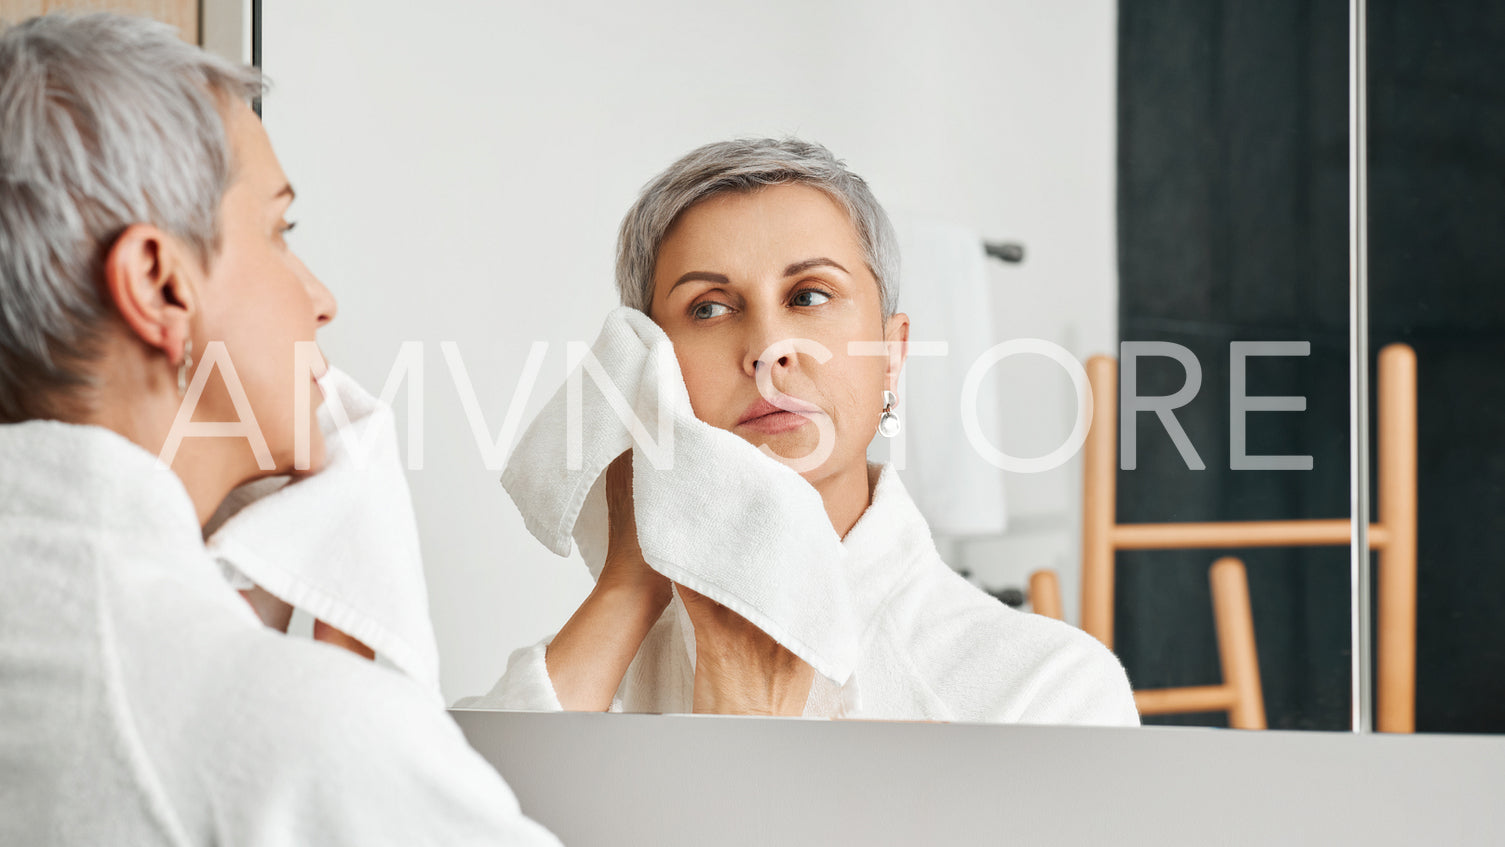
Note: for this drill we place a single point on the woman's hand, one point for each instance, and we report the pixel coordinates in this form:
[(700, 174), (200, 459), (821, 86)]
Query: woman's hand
[(625, 566), (278, 614), (588, 658), (739, 669), (273, 611), (329, 635)]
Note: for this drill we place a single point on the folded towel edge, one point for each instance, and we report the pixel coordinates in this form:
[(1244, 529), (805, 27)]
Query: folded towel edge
[(359, 625), (837, 670)]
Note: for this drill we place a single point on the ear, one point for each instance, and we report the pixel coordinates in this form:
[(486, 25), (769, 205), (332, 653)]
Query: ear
[(896, 333), (149, 278)]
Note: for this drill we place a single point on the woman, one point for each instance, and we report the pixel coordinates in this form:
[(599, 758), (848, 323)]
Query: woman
[(743, 252), (142, 219)]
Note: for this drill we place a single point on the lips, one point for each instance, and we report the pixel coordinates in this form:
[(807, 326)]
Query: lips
[(766, 417), (319, 372)]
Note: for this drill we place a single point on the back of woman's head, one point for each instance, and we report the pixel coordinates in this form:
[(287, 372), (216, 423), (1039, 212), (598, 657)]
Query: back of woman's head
[(105, 121), (742, 165)]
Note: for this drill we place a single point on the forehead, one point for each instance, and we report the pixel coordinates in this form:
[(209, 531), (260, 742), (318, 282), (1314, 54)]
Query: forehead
[(255, 166), (776, 219)]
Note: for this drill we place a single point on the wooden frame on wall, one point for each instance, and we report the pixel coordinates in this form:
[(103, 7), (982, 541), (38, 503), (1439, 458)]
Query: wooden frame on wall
[(183, 14), (223, 27)]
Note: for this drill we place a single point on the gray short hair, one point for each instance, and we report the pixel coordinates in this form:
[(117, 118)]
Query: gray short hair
[(105, 121), (745, 165)]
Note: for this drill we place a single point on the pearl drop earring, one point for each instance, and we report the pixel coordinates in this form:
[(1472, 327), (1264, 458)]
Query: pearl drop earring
[(888, 422), (184, 367)]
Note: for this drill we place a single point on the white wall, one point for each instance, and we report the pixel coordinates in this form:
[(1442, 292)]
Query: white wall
[(462, 167)]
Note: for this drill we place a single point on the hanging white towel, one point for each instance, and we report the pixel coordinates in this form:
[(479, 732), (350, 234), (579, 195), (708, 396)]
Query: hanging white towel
[(948, 298), (341, 544), (714, 514)]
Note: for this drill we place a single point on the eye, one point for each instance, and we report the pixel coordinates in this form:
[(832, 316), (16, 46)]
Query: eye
[(286, 227), (807, 298), (706, 311)]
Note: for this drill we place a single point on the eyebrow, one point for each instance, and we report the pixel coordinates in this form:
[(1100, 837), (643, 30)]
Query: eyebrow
[(701, 276), (286, 191), (818, 262), (792, 270)]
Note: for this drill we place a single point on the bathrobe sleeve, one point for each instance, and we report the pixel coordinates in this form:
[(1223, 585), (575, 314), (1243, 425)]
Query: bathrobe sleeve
[(388, 767), (525, 687), (963, 656), (660, 679), (1080, 682)]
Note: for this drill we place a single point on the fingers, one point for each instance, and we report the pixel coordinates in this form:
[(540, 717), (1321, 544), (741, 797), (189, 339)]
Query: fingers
[(329, 635), (621, 518), (619, 487), (273, 612), (713, 621)]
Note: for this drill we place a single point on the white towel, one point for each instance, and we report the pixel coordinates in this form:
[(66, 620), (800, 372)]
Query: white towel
[(948, 298), (341, 544), (714, 514), (935, 647)]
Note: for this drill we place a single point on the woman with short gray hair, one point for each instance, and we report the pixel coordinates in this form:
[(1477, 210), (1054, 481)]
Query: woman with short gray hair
[(745, 165), (741, 252), (142, 225)]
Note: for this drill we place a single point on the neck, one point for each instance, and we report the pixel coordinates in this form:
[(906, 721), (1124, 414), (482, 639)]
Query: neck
[(209, 470), (846, 495), (140, 405), (208, 467)]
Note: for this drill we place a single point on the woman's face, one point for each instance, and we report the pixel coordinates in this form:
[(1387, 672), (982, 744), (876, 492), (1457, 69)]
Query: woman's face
[(763, 286), (259, 300)]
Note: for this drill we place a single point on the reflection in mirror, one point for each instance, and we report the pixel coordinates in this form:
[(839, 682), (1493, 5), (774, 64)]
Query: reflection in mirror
[(1437, 207), (1173, 179), (1233, 227)]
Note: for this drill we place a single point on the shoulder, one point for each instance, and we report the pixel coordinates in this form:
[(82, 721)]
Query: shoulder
[(991, 662), (308, 740), (241, 734), (295, 694)]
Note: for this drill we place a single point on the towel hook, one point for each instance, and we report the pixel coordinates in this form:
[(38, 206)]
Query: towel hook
[(1007, 251)]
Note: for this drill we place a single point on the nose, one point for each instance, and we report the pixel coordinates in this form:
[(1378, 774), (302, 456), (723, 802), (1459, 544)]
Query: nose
[(325, 306), (321, 298), (768, 345)]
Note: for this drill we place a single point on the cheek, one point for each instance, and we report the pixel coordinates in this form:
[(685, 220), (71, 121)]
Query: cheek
[(260, 306), (707, 384), (266, 336), (259, 322), (854, 385), (854, 382), (712, 373)]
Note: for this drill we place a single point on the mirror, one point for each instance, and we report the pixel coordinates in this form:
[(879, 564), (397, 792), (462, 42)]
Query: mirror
[(1437, 110), (1176, 177), (1233, 226)]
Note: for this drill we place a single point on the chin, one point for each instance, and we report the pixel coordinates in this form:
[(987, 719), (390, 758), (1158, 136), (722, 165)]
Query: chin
[(285, 456), (318, 457), (796, 447)]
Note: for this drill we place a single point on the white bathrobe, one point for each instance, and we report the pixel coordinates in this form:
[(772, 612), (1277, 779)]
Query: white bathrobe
[(933, 646), (141, 701)]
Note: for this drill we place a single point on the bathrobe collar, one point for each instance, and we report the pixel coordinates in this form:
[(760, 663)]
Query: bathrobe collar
[(94, 477), (887, 549), (888, 545)]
